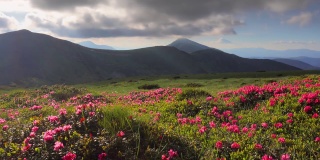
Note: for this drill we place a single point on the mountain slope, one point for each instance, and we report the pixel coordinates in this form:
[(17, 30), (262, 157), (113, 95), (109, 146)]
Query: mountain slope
[(187, 45), (90, 44), (219, 61), (34, 59), (312, 61), (297, 63), (263, 53)]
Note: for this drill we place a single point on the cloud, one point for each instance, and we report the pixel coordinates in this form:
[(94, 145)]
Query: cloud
[(302, 19), (64, 4), (223, 41), (151, 18), (7, 23)]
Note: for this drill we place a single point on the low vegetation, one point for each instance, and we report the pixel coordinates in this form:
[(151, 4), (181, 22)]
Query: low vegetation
[(263, 119)]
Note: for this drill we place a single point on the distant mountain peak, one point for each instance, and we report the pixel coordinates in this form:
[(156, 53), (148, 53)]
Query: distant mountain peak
[(90, 44), (187, 45)]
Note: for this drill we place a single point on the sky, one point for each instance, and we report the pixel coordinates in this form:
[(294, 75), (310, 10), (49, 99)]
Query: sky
[(130, 24)]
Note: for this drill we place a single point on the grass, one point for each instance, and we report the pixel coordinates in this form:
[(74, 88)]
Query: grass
[(170, 122)]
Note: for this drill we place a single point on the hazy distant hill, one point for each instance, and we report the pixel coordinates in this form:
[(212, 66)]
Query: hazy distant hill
[(265, 53), (90, 44), (218, 61), (312, 61), (297, 63), (32, 58)]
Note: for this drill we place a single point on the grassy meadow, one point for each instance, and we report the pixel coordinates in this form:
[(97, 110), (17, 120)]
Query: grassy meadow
[(260, 115)]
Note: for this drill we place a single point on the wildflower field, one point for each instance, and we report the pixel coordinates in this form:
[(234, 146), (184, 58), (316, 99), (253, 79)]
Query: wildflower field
[(275, 119)]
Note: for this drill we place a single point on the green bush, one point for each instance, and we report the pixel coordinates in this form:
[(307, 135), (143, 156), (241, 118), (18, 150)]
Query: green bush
[(149, 86)]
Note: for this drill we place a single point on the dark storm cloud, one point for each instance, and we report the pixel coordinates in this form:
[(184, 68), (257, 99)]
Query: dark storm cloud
[(63, 4), (160, 17)]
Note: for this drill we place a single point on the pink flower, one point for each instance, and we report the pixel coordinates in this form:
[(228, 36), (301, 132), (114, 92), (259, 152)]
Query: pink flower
[(209, 98), (212, 124), (285, 157), (36, 122), (48, 135), (78, 111), (2, 120), (91, 114), (258, 146), (5, 127), (281, 140), (26, 147), (235, 145), (120, 134), (34, 129), (266, 157), (69, 156), (53, 119), (273, 136), (32, 134), (102, 156), (315, 115), (179, 115), (278, 125), (245, 129), (317, 139), (219, 144), (202, 129), (62, 111), (307, 109), (172, 153), (289, 121), (57, 146), (264, 125), (164, 157), (290, 115), (66, 128)]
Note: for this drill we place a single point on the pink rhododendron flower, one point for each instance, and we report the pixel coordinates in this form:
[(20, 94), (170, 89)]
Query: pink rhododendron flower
[(281, 140), (69, 156), (266, 157), (26, 147), (48, 135), (66, 128), (209, 98), (53, 119), (78, 111), (219, 144), (307, 109), (315, 115), (164, 157), (264, 125), (235, 145), (289, 121), (2, 121), (285, 157), (91, 114), (62, 111), (120, 134), (32, 134), (36, 122), (278, 125), (34, 129), (273, 136), (57, 146), (258, 146), (317, 139), (172, 153), (102, 156), (5, 127), (202, 129), (245, 129), (212, 124), (290, 115)]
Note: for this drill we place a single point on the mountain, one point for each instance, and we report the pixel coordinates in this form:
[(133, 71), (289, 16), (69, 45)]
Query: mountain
[(90, 44), (218, 61), (265, 53), (29, 58), (312, 61), (187, 45), (297, 63)]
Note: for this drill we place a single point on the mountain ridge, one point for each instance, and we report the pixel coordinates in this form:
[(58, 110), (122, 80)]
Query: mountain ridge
[(29, 58)]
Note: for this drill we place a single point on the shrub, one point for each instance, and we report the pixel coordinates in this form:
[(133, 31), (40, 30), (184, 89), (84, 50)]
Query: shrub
[(194, 85), (149, 86)]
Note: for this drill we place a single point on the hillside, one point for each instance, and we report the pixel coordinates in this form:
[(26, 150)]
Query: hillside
[(90, 44), (297, 63), (35, 59), (218, 61), (187, 45)]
